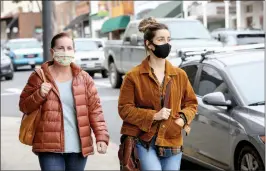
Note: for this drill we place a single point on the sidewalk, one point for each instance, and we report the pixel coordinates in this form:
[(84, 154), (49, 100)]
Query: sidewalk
[(16, 156)]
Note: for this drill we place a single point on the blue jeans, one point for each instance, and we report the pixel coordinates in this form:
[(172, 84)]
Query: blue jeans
[(62, 161), (149, 160)]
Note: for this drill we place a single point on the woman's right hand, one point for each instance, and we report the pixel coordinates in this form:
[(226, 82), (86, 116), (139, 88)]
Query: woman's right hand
[(45, 88), (164, 113)]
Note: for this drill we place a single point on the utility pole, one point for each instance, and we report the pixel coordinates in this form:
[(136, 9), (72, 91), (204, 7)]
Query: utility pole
[(47, 28), (90, 21)]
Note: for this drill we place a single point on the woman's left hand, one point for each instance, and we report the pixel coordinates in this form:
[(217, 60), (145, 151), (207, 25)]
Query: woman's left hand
[(101, 147), (180, 122)]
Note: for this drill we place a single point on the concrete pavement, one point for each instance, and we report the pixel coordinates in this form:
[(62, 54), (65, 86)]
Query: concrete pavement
[(16, 156)]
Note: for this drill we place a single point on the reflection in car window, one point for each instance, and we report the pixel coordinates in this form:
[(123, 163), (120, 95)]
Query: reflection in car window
[(191, 71), (211, 81), (249, 80)]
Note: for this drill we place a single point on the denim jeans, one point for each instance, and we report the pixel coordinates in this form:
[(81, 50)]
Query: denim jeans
[(149, 160), (62, 161)]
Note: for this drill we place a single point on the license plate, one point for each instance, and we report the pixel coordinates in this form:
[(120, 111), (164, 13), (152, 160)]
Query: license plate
[(86, 65), (30, 56), (31, 62)]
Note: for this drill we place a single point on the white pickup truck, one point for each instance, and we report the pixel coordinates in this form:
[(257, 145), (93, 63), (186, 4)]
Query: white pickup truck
[(122, 55)]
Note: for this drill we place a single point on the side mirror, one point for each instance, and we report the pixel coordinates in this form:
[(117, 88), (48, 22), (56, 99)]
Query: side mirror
[(127, 39), (134, 39), (216, 99), (219, 37), (100, 45)]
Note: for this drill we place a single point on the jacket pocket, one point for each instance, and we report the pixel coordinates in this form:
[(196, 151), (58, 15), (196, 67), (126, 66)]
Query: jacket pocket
[(173, 129)]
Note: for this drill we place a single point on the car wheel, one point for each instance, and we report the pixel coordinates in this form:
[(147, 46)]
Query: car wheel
[(9, 77), (15, 67), (115, 77), (249, 159), (91, 74), (104, 73)]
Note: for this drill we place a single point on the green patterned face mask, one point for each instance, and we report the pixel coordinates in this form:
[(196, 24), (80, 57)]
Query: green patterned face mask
[(64, 58)]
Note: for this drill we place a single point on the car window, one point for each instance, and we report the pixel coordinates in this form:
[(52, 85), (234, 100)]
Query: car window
[(243, 39), (191, 71), (24, 45), (211, 81), (131, 30), (187, 29), (85, 45), (249, 80)]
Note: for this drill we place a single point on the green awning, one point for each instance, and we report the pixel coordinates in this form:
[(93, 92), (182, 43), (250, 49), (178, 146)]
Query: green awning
[(116, 23), (167, 10), (100, 15)]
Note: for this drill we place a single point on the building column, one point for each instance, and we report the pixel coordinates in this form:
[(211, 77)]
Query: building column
[(185, 9), (238, 14), (226, 7), (204, 5)]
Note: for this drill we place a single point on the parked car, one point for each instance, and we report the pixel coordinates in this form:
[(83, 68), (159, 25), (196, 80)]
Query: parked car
[(6, 67), (25, 52), (90, 56), (228, 131), (239, 37), (122, 55)]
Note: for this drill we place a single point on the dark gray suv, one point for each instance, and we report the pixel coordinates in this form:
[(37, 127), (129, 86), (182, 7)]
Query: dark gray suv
[(228, 132)]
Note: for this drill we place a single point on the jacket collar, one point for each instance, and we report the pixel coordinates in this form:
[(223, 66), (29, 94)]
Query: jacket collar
[(146, 69), (75, 69)]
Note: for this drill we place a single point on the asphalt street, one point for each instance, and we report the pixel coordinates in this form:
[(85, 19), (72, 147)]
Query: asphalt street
[(10, 92)]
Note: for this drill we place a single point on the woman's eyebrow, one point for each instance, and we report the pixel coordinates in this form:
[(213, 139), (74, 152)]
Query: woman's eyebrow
[(160, 37)]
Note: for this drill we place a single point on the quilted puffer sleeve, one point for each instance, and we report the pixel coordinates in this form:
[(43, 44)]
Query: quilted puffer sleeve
[(96, 116), (30, 97)]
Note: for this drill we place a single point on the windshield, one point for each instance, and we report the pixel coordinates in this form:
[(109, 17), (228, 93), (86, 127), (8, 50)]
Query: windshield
[(24, 45), (249, 80), (86, 45), (188, 29)]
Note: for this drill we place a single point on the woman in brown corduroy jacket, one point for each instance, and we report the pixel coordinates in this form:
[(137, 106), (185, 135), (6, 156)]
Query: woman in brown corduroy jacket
[(141, 102)]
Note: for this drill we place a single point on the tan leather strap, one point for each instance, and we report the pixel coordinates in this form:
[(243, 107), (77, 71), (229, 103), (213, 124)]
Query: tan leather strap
[(41, 74)]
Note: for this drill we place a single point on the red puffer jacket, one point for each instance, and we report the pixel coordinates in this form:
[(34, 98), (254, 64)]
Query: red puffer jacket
[(49, 135)]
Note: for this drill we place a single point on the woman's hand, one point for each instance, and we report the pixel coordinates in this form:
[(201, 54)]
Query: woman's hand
[(45, 88), (180, 122), (101, 147), (164, 113)]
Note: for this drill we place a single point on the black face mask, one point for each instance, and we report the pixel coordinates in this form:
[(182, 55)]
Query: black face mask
[(161, 51)]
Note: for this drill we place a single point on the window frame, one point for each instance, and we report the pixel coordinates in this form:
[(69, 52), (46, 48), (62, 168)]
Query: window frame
[(197, 74), (234, 98)]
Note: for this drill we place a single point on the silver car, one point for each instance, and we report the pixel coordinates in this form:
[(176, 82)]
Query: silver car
[(228, 132)]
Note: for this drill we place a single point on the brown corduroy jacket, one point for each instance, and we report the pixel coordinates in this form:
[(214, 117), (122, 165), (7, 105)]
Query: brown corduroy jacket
[(49, 136), (139, 100)]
